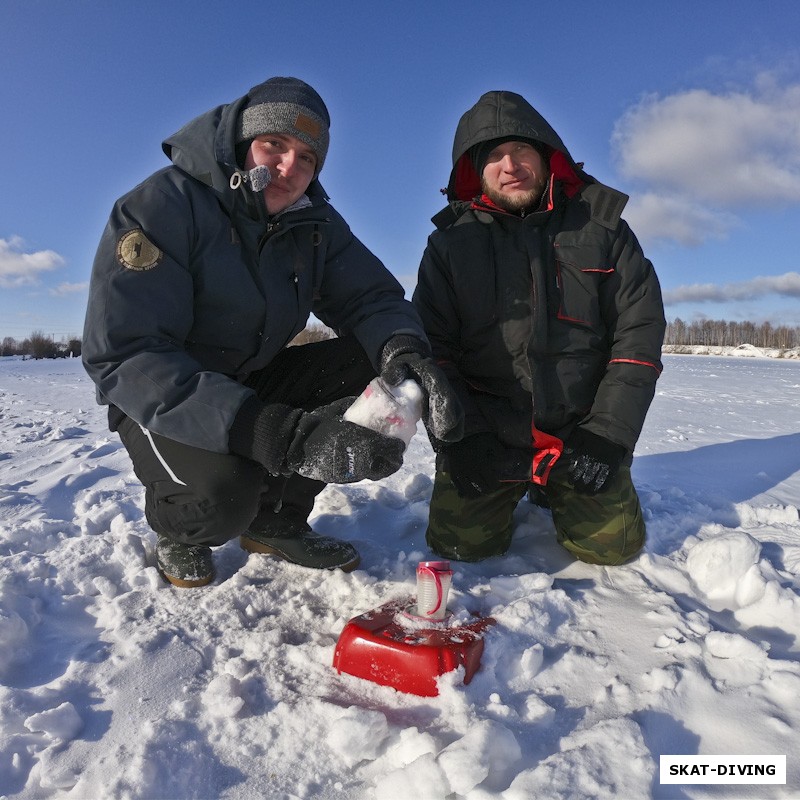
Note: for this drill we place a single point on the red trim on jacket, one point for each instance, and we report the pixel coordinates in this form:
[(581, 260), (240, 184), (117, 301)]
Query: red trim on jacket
[(636, 361), (485, 203), (600, 270), (565, 318)]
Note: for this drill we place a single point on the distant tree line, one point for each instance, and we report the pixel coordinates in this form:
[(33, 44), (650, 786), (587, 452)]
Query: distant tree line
[(719, 333), (40, 345), (708, 333)]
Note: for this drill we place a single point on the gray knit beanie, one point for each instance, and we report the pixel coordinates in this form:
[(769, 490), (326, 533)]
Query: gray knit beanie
[(289, 106)]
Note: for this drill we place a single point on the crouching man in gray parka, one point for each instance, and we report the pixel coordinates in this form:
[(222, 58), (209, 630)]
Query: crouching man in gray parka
[(204, 274)]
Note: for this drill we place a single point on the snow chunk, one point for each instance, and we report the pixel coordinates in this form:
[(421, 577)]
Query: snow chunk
[(62, 723), (751, 516), (609, 759), (486, 746), (418, 487), (421, 780), (718, 565), (411, 745), (775, 607), (532, 660), (358, 735), (508, 588), (733, 659), (538, 711), (222, 697)]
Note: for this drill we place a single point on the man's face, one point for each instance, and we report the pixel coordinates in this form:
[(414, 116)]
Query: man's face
[(291, 164), (514, 176)]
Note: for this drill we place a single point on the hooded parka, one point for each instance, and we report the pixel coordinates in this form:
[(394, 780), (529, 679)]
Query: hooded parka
[(545, 320), (194, 287)]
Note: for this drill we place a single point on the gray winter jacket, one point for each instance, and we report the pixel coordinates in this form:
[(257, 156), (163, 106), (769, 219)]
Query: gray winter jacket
[(544, 321), (193, 288)]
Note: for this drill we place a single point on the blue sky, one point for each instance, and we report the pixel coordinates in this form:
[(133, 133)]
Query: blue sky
[(693, 108)]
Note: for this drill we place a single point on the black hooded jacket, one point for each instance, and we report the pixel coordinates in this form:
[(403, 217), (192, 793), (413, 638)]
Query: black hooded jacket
[(542, 321), (193, 288)]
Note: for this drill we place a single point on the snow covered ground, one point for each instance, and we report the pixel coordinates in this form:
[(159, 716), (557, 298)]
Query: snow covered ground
[(115, 685)]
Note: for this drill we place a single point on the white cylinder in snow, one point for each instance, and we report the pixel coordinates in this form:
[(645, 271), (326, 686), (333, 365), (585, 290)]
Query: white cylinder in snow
[(433, 585), (390, 410)]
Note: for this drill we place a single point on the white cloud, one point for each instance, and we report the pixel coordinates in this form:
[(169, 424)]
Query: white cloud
[(654, 216), (69, 288), (724, 151), (786, 285), (23, 269), (732, 150)]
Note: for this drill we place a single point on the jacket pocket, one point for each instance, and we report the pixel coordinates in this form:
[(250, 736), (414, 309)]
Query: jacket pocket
[(580, 274)]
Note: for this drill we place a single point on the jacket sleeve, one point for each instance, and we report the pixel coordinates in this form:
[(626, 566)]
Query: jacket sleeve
[(139, 314), (435, 300), (359, 296), (634, 316)]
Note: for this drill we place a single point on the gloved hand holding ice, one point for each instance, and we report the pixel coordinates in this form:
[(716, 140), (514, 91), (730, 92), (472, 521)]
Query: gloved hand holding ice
[(390, 410)]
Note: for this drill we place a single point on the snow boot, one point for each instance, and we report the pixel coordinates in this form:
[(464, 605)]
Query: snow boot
[(297, 543), (184, 565)]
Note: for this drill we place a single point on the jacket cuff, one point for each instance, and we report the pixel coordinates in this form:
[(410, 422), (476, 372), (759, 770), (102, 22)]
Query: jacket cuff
[(263, 433), (400, 345)]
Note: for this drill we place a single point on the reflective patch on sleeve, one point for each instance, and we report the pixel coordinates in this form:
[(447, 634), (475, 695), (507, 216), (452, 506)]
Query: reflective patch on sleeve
[(135, 251)]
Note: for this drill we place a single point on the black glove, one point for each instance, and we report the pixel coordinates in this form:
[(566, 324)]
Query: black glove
[(327, 448), (317, 444), (408, 357), (591, 460), (474, 464)]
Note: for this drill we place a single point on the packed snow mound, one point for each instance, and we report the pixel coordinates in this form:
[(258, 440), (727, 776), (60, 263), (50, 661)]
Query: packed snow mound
[(742, 351)]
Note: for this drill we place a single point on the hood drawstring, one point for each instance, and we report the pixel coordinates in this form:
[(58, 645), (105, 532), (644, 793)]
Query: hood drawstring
[(256, 180), (238, 180)]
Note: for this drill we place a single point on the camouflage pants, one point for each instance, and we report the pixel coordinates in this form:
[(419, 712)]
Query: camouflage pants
[(606, 528)]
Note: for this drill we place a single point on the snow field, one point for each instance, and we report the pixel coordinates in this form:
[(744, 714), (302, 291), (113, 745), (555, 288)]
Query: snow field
[(113, 684)]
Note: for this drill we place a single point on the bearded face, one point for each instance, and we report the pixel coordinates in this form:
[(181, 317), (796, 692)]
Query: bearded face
[(515, 176)]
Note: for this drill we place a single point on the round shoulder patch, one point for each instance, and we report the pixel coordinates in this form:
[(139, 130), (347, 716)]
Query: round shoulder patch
[(136, 251)]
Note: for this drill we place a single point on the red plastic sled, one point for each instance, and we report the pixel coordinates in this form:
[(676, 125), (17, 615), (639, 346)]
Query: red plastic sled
[(375, 647)]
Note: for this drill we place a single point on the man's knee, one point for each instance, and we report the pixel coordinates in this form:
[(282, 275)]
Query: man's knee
[(223, 512), (467, 544), (469, 529), (610, 553), (607, 528), (193, 495)]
